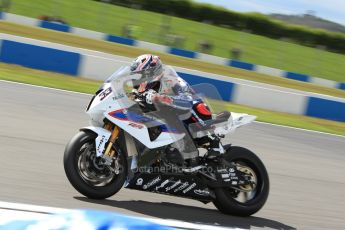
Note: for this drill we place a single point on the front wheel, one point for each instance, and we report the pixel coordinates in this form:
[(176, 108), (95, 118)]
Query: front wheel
[(86, 172), (249, 200)]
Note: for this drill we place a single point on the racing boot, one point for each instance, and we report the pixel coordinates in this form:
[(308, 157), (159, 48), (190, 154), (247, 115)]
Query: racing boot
[(215, 148), (174, 156), (192, 162)]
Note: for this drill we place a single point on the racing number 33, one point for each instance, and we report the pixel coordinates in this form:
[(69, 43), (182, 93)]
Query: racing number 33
[(105, 93)]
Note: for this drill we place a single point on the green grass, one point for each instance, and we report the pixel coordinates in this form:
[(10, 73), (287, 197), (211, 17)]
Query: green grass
[(129, 51), (257, 49), (48, 79), (42, 78)]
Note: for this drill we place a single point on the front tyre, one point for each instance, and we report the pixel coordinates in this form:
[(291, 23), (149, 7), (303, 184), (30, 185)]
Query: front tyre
[(240, 203), (85, 170)]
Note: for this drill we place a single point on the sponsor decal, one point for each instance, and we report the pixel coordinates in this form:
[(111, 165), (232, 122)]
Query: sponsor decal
[(134, 125), (200, 192), (162, 185), (140, 181), (183, 186), (100, 143), (225, 176), (152, 182), (173, 186), (118, 96), (189, 188)]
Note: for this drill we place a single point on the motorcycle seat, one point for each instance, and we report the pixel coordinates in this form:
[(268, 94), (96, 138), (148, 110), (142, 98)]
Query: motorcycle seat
[(220, 118)]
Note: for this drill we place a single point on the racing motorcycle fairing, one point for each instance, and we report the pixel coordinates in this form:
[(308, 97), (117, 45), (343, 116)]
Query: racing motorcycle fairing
[(182, 185), (111, 102), (240, 119), (102, 138), (136, 126)]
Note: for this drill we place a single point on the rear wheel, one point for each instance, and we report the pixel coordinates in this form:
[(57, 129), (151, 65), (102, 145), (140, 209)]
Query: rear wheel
[(87, 173), (251, 198)]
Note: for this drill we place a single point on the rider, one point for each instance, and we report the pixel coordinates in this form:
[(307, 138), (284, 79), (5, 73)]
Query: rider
[(162, 84)]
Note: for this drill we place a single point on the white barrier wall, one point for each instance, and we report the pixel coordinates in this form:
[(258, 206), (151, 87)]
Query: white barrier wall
[(269, 71), (88, 33), (20, 19), (152, 46), (269, 99), (212, 59), (324, 82), (98, 68)]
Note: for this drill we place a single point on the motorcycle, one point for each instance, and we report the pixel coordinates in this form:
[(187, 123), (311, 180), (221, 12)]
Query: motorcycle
[(126, 146)]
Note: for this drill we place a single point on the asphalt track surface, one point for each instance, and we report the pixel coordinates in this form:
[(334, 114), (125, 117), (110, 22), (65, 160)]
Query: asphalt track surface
[(306, 168)]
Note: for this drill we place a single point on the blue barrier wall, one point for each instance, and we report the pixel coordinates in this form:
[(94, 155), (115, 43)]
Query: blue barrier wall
[(55, 26), (297, 76), (341, 86), (38, 57), (223, 89), (326, 109), (241, 65), (121, 40), (183, 53)]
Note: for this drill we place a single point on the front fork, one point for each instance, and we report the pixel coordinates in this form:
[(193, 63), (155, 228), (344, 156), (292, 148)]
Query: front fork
[(109, 151)]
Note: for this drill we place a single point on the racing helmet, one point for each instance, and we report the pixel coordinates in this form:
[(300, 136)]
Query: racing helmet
[(148, 65)]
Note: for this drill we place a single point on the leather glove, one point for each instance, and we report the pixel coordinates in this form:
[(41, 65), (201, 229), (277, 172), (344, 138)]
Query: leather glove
[(150, 96)]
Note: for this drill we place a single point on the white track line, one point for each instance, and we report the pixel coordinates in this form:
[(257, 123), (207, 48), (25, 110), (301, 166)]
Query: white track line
[(31, 208), (260, 122), (44, 87), (307, 130)]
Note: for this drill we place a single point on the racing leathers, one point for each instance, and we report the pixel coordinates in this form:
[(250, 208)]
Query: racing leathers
[(168, 89)]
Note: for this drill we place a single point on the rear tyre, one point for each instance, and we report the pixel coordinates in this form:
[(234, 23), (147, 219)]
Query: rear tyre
[(232, 202), (85, 171)]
